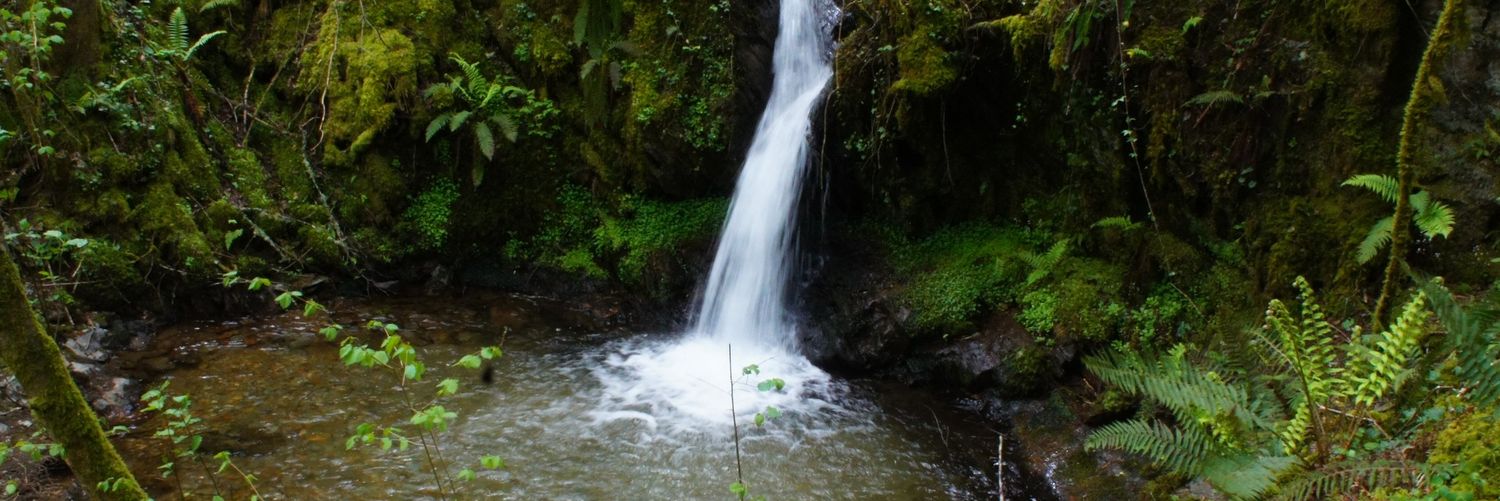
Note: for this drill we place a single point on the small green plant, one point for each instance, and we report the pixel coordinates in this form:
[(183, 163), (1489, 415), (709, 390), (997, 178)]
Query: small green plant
[(739, 488), (29, 34), (480, 102), (1433, 218), (397, 357), (32, 448), (180, 435), (178, 48), (428, 215)]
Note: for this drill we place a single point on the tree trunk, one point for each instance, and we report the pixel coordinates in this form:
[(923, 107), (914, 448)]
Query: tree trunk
[(55, 400), (1416, 109)]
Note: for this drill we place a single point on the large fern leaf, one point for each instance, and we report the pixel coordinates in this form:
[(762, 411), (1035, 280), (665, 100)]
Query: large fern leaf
[(1380, 184), (1245, 475), (1375, 366), (437, 124), (1472, 340), (1335, 480), (203, 40), (1433, 218), (507, 126), (177, 31), (486, 140), (1378, 238), (1180, 449)]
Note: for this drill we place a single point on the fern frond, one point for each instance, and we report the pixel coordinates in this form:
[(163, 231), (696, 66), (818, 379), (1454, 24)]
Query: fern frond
[(1041, 265), (458, 120), (1189, 392), (1123, 223), (1380, 184), (1376, 366), (437, 124), (1180, 449), (177, 30), (1334, 480), (1471, 338), (507, 126), (1433, 218), (1378, 238), (200, 43), (1215, 97), (1245, 475), (215, 4), (486, 140)]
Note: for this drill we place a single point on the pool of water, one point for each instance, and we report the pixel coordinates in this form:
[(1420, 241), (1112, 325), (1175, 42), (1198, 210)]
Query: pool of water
[(563, 409)]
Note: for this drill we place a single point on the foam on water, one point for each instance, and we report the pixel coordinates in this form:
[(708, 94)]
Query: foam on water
[(686, 383)]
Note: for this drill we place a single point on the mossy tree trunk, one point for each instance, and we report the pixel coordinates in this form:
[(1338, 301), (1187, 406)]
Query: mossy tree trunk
[(55, 400), (1417, 107)]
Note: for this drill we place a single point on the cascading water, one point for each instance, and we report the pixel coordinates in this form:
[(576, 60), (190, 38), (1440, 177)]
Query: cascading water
[(687, 383)]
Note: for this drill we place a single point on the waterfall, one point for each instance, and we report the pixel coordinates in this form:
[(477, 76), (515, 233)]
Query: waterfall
[(744, 301), (684, 384)]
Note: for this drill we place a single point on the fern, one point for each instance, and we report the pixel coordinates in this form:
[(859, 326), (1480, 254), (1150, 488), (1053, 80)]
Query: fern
[(1378, 238), (215, 4), (1336, 480), (177, 31), (1041, 265), (1182, 450), (1375, 368), (1433, 218), (486, 140), (1123, 223), (1380, 184), (1215, 97), (1471, 337), (1306, 345), (437, 124), (1246, 476)]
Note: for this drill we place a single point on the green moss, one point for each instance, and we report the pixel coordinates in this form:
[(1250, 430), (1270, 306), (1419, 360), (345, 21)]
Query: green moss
[(368, 73), (649, 229), (958, 271), (1038, 312), (427, 218), (247, 176), (166, 217), (1469, 443), (925, 67)]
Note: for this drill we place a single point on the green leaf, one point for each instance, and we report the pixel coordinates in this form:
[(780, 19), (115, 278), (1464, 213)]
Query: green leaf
[(77, 243), (738, 489), (760, 419), (1191, 23), (331, 332), (311, 307), (1380, 184), (491, 462), (285, 300), (437, 124), (470, 362), (1378, 237), (772, 412), (508, 127), (229, 237), (447, 387), (771, 384), (476, 174), (751, 369), (258, 282), (458, 120), (486, 140), (466, 475)]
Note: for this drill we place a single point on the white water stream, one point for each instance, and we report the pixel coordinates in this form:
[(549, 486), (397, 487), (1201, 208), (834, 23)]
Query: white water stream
[(687, 383)]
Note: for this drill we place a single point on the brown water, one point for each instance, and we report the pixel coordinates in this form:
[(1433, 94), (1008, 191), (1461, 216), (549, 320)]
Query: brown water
[(273, 393)]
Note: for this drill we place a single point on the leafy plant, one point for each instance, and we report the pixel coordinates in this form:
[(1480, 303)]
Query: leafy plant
[(1433, 218), (179, 48), (480, 102), (184, 444), (29, 35)]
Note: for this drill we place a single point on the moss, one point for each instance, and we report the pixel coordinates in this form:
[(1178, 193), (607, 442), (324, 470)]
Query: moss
[(321, 245), (427, 218), (648, 230), (248, 176), (1468, 443), (167, 218), (367, 72), (925, 67), (958, 271)]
